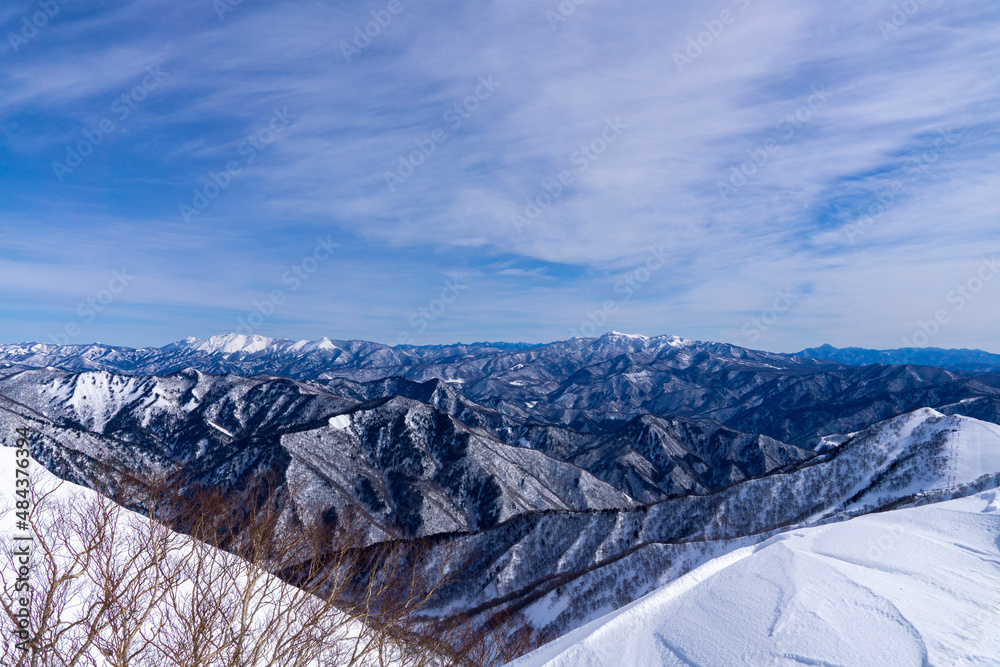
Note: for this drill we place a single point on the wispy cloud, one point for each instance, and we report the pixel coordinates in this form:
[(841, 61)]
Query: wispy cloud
[(887, 95)]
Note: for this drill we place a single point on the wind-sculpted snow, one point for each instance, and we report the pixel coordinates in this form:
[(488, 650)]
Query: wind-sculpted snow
[(908, 587)]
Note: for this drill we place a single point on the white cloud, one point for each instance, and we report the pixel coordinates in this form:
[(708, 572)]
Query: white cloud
[(885, 98)]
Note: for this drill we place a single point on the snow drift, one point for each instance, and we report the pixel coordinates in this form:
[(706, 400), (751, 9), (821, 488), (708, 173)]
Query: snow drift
[(912, 586)]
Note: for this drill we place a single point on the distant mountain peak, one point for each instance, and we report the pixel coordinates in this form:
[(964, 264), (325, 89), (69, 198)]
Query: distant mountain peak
[(619, 334), (953, 360), (231, 343)]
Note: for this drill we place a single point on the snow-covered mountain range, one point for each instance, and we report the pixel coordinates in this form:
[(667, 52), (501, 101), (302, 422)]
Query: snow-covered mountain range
[(575, 477), (304, 359), (589, 385), (976, 361)]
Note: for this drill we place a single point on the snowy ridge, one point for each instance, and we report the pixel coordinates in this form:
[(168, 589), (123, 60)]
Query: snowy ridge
[(604, 629), (906, 587), (927, 451), (232, 343)]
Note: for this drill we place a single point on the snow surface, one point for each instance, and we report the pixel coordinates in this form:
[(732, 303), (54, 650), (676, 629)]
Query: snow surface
[(342, 422), (914, 586)]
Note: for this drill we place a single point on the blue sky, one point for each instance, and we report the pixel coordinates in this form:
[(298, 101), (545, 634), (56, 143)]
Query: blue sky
[(770, 173)]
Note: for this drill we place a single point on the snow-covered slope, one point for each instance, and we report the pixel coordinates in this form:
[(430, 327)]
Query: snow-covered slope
[(918, 453), (161, 588), (913, 586)]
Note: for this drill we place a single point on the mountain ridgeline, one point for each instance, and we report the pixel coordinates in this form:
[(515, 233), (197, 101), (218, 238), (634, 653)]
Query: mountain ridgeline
[(575, 476)]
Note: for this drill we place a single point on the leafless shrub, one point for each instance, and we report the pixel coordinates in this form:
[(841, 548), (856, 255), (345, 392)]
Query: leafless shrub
[(246, 579)]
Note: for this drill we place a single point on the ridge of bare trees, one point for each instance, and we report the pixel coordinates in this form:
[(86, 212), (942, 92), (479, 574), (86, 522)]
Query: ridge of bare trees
[(202, 578)]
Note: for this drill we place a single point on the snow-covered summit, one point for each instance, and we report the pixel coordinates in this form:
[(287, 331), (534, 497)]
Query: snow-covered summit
[(673, 341), (619, 334), (234, 343), (230, 343)]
